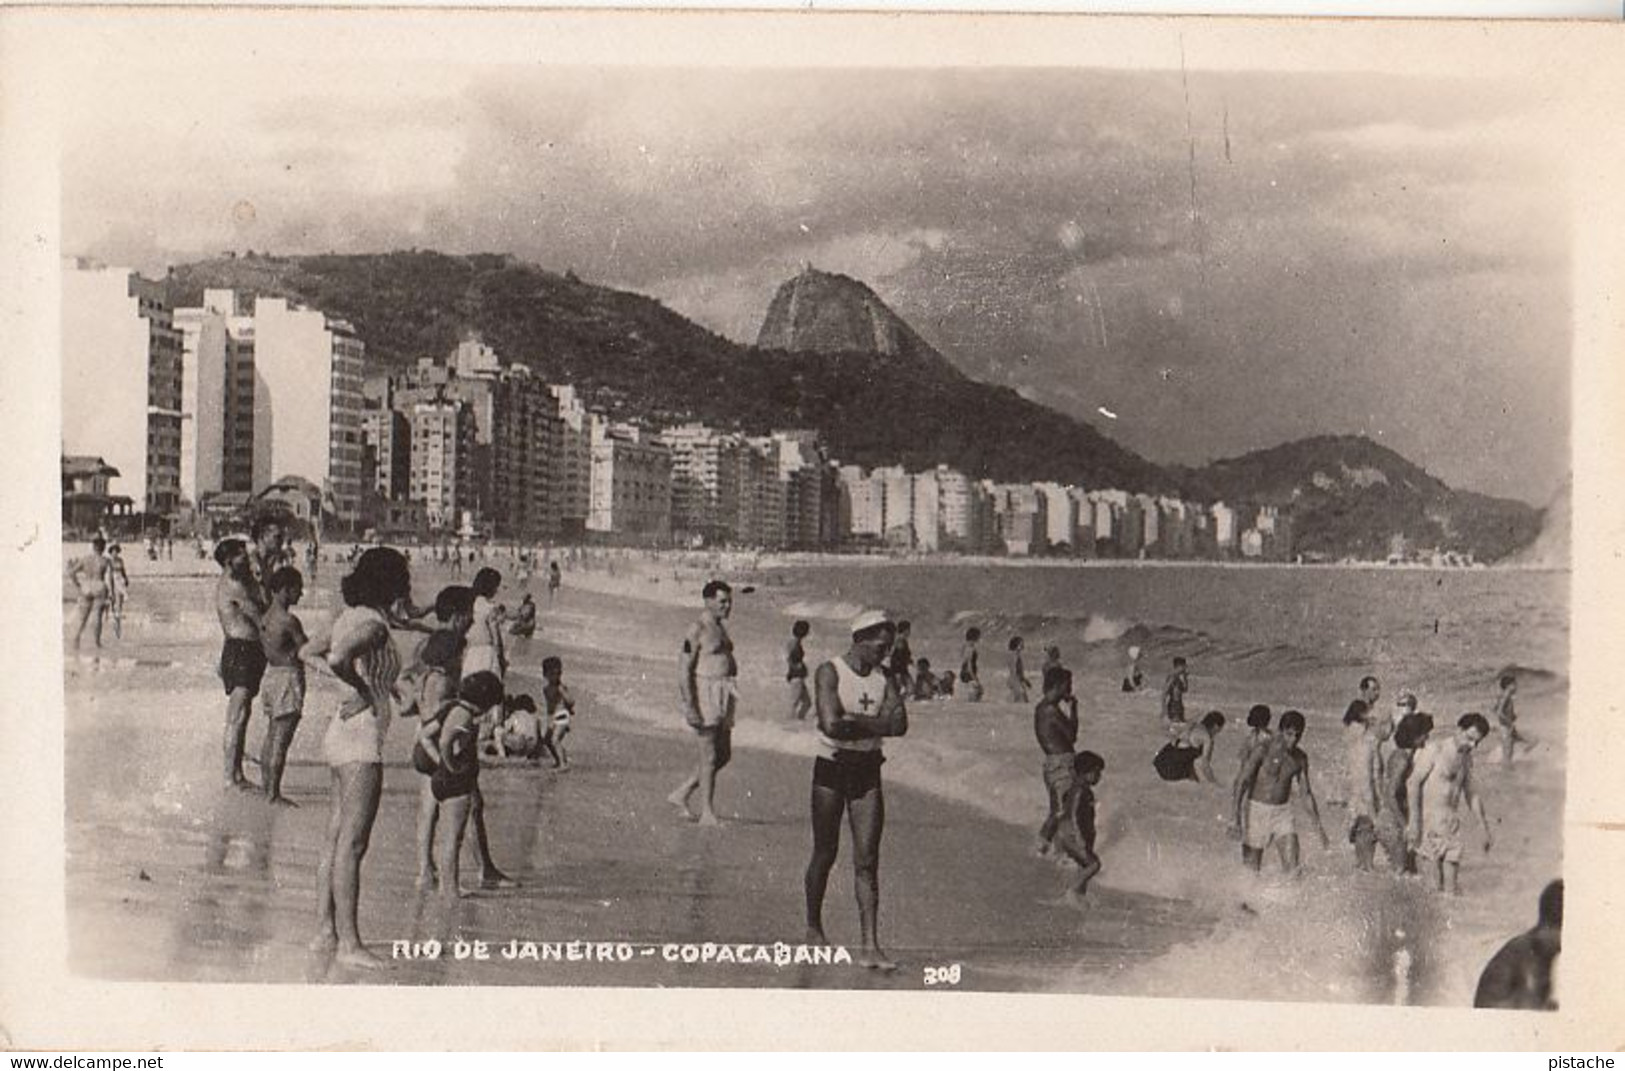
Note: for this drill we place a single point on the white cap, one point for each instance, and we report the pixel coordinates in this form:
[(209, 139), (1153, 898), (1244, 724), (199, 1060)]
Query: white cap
[(868, 619)]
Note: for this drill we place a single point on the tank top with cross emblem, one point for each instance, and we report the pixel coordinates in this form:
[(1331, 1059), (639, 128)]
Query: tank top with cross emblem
[(861, 697)]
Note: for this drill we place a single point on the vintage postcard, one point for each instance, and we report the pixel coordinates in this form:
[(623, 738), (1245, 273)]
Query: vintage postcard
[(957, 530)]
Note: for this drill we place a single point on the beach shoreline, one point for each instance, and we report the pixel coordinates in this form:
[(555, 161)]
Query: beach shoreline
[(1176, 923)]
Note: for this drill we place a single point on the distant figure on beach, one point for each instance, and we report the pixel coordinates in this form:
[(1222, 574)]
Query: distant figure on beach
[(560, 710), (858, 706), (1362, 775), (1016, 672), (707, 682), (88, 574), (1506, 717), (118, 587), (1076, 836), (242, 658), (555, 580), (901, 662), (926, 684), (795, 671), (1189, 755), (1258, 734), (313, 558), (1520, 974), (1263, 797), (1173, 693), (361, 653), (1393, 813), (969, 672), (524, 618), (455, 780), (1055, 725), (1133, 675), (282, 688), (1440, 783), (484, 653)]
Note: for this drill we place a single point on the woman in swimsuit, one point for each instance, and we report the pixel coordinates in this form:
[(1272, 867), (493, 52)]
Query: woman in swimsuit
[(362, 654)]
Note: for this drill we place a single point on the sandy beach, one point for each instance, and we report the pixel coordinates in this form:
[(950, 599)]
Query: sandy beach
[(170, 879)]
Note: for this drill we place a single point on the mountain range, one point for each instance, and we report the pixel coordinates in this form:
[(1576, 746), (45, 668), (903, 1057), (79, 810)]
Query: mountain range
[(832, 356)]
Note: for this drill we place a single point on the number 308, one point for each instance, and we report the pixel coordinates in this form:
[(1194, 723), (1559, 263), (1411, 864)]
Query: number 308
[(948, 975)]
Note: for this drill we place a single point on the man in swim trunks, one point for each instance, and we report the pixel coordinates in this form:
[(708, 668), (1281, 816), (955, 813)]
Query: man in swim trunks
[(282, 689), (88, 573), (1440, 783), (1520, 974), (858, 706), (1055, 724), (1263, 797), (1173, 693), (242, 658), (707, 681)]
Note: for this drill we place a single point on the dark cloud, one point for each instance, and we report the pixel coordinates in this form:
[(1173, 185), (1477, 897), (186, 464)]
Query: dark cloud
[(1227, 259)]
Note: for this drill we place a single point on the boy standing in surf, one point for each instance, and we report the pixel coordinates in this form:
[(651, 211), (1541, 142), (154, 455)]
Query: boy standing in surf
[(1077, 835), (1055, 724), (1263, 798)]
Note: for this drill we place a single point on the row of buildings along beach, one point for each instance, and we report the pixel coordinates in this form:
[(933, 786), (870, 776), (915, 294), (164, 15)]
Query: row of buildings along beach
[(180, 419)]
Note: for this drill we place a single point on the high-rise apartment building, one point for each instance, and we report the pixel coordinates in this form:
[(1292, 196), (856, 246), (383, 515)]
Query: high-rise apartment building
[(631, 484), (442, 474), (122, 388), (310, 366)]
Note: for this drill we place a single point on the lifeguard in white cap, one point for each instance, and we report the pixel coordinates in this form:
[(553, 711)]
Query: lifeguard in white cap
[(858, 706)]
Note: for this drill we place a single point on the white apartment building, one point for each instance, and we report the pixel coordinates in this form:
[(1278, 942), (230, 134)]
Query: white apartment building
[(310, 368), (442, 470), (862, 505), (122, 380), (1060, 513)]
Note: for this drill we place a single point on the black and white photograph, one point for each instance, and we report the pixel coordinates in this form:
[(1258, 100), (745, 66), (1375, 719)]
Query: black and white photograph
[(1002, 505)]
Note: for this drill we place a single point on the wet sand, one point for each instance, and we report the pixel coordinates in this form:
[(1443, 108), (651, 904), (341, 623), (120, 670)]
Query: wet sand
[(603, 857), (171, 878)]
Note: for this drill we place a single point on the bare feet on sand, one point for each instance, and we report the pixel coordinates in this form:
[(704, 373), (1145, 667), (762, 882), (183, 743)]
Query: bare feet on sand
[(679, 800), (709, 818), (360, 959), (281, 801), (496, 879), (875, 960)]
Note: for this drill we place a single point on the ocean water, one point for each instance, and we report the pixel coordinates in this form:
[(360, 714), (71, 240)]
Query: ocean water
[(1287, 636), (1452, 628)]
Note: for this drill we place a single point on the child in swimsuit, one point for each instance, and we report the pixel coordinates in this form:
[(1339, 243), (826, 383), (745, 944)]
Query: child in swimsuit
[(457, 774), (560, 708)]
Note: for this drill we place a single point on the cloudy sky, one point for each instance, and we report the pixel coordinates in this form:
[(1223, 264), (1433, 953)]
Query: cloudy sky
[(1224, 260)]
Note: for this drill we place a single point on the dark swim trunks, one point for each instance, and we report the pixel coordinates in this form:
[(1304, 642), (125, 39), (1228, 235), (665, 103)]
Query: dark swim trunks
[(853, 780), (1175, 763), (242, 665)]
